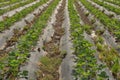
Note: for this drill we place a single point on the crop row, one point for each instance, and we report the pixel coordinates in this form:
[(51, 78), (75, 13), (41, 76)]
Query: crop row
[(116, 2), (18, 16), (2, 11), (8, 3), (107, 6), (86, 65), (11, 41), (97, 38), (20, 54), (52, 60), (107, 54), (4, 1), (111, 24)]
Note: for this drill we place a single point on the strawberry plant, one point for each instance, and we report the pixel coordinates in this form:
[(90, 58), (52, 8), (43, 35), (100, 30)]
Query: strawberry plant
[(86, 65)]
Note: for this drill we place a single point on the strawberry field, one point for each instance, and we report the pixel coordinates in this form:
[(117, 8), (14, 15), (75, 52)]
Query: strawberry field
[(59, 39)]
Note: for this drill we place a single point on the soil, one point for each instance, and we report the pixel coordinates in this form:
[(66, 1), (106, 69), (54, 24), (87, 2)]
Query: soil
[(32, 64), (82, 14), (53, 47), (67, 65)]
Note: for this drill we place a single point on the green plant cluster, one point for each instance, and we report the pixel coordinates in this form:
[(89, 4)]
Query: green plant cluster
[(3, 0), (9, 2), (86, 65), (2, 11), (116, 2), (19, 55), (112, 25), (18, 16), (110, 57), (107, 6)]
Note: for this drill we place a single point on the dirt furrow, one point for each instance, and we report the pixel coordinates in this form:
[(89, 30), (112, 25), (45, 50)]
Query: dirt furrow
[(32, 66), (66, 45), (53, 48)]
